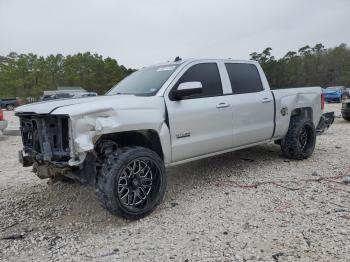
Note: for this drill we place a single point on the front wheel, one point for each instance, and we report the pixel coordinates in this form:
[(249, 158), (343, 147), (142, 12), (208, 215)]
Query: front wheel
[(131, 182), (299, 143)]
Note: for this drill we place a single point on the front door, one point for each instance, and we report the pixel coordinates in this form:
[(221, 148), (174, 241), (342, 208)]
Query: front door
[(200, 124)]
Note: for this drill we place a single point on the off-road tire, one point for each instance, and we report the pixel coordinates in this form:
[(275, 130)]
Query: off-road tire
[(110, 171), (290, 144), (346, 117)]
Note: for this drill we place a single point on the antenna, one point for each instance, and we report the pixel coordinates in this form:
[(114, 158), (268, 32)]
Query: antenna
[(177, 59)]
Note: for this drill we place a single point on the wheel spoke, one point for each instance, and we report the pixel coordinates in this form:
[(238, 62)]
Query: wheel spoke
[(142, 190), (303, 137), (133, 201), (141, 198), (143, 172), (130, 171), (139, 167), (134, 166), (122, 196), (130, 198)]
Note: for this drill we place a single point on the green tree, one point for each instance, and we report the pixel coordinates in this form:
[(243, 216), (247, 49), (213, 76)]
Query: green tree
[(26, 75), (310, 66)]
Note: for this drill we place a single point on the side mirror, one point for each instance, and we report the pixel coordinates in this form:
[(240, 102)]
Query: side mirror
[(187, 89)]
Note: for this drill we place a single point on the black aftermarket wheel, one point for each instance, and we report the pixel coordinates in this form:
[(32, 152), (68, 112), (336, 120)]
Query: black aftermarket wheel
[(300, 140), (131, 182), (10, 107)]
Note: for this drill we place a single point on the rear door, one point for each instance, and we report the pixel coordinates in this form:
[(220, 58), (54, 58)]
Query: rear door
[(200, 124), (252, 105)]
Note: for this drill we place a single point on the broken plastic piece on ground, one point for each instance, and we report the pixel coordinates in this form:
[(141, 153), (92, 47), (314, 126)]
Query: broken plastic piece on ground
[(14, 237)]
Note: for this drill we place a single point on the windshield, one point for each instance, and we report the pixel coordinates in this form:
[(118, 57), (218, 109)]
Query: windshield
[(145, 82), (333, 89)]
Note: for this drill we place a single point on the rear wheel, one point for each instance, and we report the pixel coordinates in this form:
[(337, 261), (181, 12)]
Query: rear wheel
[(299, 143), (131, 182), (10, 107), (346, 117)]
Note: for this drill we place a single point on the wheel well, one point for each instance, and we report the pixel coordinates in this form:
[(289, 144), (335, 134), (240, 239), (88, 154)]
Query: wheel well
[(304, 112), (146, 138)]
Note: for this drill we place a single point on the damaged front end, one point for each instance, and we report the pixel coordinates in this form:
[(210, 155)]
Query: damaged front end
[(47, 147), (45, 138)]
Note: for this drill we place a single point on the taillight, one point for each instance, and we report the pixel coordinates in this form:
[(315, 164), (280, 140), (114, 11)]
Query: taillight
[(1, 115), (322, 101)]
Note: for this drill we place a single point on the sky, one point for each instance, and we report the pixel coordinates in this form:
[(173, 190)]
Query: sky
[(143, 32)]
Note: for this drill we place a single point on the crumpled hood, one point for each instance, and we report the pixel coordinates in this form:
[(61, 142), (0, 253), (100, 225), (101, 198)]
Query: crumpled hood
[(47, 107), (95, 116), (88, 105)]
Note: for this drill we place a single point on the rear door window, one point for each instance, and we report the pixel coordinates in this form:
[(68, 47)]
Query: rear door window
[(244, 78)]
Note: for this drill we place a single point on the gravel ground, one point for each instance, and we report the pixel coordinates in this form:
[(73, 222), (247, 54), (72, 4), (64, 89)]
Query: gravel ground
[(204, 217)]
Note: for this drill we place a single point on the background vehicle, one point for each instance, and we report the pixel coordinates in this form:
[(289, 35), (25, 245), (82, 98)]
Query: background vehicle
[(10, 103), (345, 110), (335, 94), (67, 94), (88, 94), (161, 116), (3, 122)]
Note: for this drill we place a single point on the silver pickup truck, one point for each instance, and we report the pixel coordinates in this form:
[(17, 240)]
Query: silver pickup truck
[(160, 116)]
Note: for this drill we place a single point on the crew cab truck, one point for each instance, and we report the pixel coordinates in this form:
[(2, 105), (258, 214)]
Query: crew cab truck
[(161, 116)]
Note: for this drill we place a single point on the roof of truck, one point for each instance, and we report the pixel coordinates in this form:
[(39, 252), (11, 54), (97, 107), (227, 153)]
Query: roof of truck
[(185, 61)]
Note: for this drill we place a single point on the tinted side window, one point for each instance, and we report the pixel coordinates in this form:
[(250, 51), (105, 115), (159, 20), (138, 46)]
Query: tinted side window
[(244, 78), (208, 75)]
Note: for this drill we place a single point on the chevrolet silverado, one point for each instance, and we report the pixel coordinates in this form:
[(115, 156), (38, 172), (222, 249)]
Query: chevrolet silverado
[(161, 116)]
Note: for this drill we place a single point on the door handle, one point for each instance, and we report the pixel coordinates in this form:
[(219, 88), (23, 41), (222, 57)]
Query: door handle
[(222, 105), (266, 100)]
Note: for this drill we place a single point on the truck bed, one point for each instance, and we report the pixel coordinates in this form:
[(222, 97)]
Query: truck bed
[(289, 98)]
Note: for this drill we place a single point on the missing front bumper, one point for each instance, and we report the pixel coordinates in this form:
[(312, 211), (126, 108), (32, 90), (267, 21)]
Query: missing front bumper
[(45, 137)]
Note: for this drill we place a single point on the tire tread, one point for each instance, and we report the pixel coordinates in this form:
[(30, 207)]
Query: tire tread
[(289, 144), (110, 166)]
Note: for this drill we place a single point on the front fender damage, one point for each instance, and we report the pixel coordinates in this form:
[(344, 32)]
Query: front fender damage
[(85, 131)]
